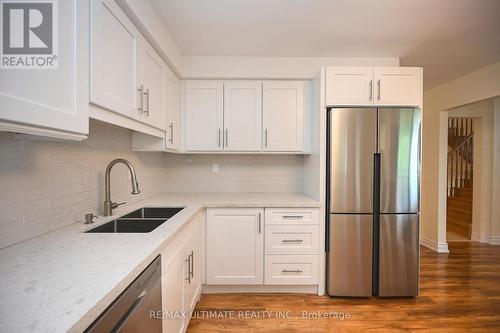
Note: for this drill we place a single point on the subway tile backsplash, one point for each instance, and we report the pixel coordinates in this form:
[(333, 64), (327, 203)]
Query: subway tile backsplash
[(48, 184)]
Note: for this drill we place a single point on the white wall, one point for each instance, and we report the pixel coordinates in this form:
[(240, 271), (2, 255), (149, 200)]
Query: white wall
[(50, 184), (476, 86), (270, 67), (495, 198), (237, 173)]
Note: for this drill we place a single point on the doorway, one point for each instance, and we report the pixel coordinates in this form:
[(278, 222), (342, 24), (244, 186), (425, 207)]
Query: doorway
[(460, 179)]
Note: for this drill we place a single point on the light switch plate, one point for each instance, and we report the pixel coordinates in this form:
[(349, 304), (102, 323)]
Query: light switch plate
[(215, 167)]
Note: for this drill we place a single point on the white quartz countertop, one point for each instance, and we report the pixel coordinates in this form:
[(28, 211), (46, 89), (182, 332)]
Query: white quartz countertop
[(63, 280)]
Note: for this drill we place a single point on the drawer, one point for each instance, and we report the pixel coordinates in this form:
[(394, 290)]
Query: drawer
[(291, 216), (291, 269), (292, 239)]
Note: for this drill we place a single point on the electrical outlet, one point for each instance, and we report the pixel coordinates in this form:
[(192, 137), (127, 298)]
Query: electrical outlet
[(215, 167)]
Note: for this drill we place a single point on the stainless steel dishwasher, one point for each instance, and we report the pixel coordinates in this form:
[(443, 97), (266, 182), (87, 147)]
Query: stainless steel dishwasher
[(131, 311)]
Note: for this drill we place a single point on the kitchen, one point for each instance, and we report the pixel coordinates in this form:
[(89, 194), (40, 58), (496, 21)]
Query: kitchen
[(147, 188)]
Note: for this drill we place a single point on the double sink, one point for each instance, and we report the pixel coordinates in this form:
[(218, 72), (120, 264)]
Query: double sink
[(142, 220)]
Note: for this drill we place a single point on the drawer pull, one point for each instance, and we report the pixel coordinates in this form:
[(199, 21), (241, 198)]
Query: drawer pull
[(292, 240), (296, 217), (291, 271)]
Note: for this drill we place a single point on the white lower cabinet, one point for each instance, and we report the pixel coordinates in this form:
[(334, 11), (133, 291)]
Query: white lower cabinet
[(235, 246), (291, 269), (255, 246), (181, 278)]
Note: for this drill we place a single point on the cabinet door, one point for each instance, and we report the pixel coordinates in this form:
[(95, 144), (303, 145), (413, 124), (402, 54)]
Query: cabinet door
[(53, 98), (242, 115), (398, 86), (204, 115), (193, 284), (172, 110), (173, 293), (283, 115), (152, 80), (235, 246), (114, 72), (349, 86)]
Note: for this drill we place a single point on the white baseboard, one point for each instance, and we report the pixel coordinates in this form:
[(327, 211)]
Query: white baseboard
[(437, 247), (492, 240)]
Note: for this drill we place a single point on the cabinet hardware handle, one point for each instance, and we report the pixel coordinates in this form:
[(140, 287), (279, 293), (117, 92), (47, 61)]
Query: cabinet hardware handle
[(265, 137), (188, 260), (371, 90), (291, 271), (141, 99), (171, 126), (218, 138), (191, 268), (378, 88), (227, 137), (260, 223), (297, 217), (292, 240), (146, 111)]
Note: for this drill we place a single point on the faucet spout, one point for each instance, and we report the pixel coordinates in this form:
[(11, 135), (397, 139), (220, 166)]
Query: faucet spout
[(108, 204)]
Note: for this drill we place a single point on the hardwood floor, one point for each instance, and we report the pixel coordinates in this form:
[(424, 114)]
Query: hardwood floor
[(460, 292)]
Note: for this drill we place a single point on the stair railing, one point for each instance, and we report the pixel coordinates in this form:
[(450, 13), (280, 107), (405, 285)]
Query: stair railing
[(460, 158)]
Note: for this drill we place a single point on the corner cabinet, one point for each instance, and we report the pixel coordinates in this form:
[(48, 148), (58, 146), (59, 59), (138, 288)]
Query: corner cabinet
[(374, 86), (235, 246), (52, 102), (127, 76)]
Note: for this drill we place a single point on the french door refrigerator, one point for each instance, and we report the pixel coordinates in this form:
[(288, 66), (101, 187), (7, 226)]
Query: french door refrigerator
[(373, 182)]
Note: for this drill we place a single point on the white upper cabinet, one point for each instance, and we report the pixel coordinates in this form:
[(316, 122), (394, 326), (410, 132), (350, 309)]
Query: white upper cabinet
[(349, 86), (235, 246), (114, 60), (374, 86), (54, 101), (204, 115), (283, 116), (242, 115), (152, 86), (172, 86), (398, 86)]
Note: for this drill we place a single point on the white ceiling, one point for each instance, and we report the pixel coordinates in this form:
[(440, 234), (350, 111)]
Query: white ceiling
[(447, 37)]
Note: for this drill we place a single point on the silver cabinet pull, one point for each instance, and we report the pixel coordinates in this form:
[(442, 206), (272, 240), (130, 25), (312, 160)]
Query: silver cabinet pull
[(378, 90), (293, 217), (291, 271), (171, 126), (227, 137), (141, 99), (218, 138), (146, 110), (188, 260), (292, 240), (191, 267), (260, 224), (265, 137), (371, 90)]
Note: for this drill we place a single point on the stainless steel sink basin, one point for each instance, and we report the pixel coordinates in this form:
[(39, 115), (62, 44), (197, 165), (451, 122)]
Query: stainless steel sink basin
[(154, 212), (142, 220)]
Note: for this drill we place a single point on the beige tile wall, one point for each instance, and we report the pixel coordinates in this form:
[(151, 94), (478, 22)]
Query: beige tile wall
[(45, 185), (48, 184)]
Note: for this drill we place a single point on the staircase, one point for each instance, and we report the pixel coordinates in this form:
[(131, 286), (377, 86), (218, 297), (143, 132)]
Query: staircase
[(460, 176)]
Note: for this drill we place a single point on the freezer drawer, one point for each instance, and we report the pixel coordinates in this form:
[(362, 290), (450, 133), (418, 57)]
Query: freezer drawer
[(399, 255), (399, 145), (350, 255), (352, 143)]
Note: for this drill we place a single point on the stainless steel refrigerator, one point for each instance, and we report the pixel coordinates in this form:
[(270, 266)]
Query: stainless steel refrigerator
[(373, 182)]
